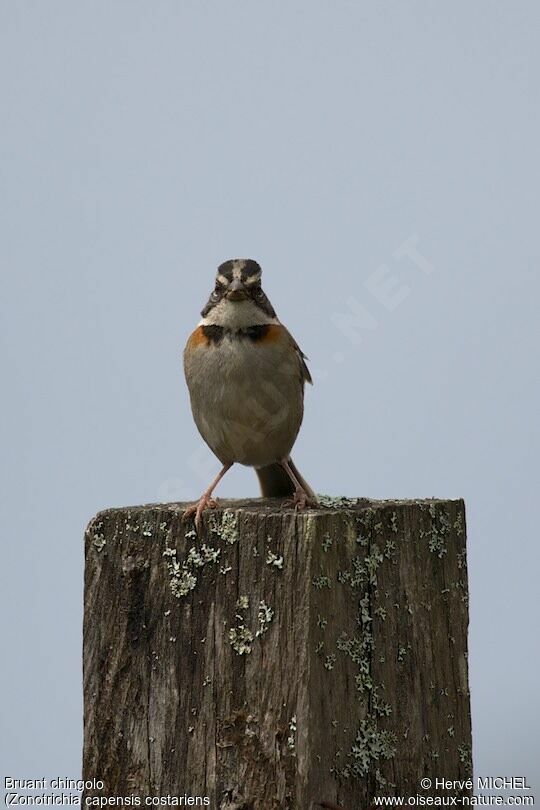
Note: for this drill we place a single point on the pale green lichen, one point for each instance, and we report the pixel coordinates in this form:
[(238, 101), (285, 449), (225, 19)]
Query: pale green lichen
[(330, 662), (438, 532), (458, 525), (365, 609), (206, 555), (275, 560), (437, 546), (371, 745), (364, 526), (372, 562), (381, 781), (403, 652), (291, 739), (327, 542), (363, 680), (183, 576), (94, 531), (465, 755), (336, 502), (380, 708), (265, 615), (241, 639), (320, 582), (389, 549), (359, 648), (364, 569), (182, 583), (225, 527)]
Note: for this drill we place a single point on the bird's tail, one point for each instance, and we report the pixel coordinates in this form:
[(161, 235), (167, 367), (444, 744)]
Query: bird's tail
[(276, 483)]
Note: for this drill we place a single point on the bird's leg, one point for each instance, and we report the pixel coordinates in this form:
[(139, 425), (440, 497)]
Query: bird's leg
[(301, 499), (206, 500)]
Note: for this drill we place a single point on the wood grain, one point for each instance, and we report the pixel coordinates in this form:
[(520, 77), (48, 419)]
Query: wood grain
[(286, 661)]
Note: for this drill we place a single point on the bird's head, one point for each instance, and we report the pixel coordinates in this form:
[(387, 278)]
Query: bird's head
[(238, 287)]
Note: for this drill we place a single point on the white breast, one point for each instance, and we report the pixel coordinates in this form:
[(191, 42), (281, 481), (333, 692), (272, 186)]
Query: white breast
[(236, 315)]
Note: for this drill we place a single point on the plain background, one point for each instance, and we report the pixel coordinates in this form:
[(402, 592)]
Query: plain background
[(142, 143)]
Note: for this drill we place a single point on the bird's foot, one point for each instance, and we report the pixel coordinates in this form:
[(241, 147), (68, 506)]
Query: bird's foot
[(301, 500), (204, 502)]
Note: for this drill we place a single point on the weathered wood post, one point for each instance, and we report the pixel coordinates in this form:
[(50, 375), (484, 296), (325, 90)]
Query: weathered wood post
[(282, 660)]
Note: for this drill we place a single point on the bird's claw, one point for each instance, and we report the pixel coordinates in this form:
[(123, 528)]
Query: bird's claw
[(197, 509), (300, 501)]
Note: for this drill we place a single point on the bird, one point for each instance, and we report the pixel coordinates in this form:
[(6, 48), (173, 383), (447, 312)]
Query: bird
[(246, 375)]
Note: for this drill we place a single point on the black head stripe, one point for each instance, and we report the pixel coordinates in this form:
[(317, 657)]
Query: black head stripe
[(257, 295), (210, 305), (226, 269), (249, 272), (247, 268), (214, 299), (251, 268)]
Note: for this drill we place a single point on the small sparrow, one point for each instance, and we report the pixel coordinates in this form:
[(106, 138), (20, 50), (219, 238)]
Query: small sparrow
[(246, 375)]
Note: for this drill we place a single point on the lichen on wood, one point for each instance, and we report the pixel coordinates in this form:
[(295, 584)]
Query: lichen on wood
[(281, 658)]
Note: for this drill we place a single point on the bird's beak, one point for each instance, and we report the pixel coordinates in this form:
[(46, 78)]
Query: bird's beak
[(236, 291)]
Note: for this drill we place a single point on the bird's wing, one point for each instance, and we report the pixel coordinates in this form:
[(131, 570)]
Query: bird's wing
[(306, 376)]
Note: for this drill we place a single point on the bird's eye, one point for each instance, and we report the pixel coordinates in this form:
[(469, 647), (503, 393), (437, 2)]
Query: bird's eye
[(215, 294), (258, 293)]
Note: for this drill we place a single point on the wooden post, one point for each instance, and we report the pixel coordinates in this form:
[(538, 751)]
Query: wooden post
[(281, 660)]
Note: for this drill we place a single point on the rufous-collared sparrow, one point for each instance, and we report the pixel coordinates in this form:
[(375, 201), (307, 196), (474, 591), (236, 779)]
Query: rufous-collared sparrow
[(246, 375)]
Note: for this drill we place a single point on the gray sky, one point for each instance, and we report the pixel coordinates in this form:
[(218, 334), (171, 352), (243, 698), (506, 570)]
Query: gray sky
[(142, 144)]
